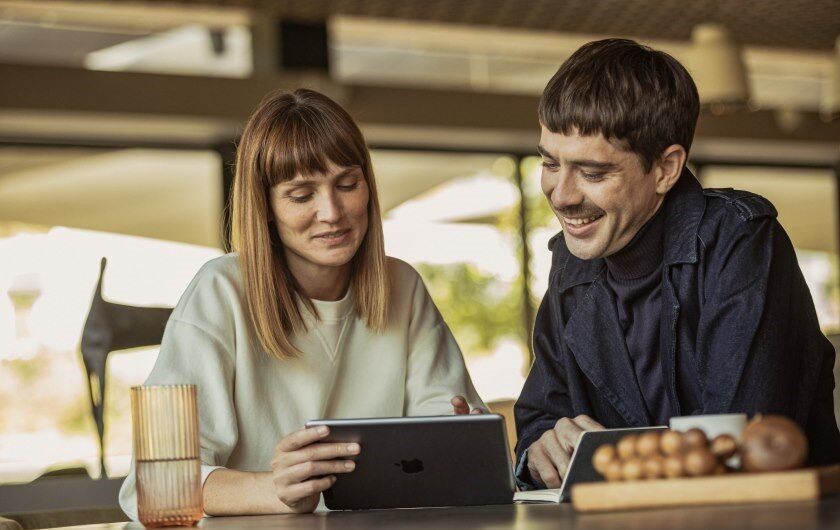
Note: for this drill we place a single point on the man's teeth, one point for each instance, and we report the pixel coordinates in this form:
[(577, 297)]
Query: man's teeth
[(579, 222)]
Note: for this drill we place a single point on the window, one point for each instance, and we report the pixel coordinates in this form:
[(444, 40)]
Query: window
[(64, 209), (806, 200)]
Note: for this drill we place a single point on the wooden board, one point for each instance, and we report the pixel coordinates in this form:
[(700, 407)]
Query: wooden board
[(736, 488)]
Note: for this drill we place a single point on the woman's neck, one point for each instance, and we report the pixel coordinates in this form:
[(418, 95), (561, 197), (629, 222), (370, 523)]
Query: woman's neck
[(317, 281)]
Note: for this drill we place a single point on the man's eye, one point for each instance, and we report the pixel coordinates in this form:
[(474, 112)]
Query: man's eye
[(300, 198), (549, 165), (592, 176)]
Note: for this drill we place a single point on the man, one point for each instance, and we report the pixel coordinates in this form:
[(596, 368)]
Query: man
[(664, 299)]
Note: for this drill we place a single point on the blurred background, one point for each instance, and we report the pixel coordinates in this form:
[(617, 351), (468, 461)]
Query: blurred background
[(117, 128)]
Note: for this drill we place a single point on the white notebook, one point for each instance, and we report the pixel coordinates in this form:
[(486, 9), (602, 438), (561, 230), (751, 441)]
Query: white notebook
[(537, 496)]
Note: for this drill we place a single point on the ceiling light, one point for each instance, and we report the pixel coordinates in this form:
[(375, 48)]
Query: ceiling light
[(718, 69)]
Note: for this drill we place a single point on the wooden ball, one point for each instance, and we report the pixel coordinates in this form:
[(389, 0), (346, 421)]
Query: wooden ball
[(674, 466), (700, 462), (627, 447), (773, 443), (671, 442), (614, 471), (654, 467), (602, 457), (648, 444), (632, 469), (695, 439), (724, 446)]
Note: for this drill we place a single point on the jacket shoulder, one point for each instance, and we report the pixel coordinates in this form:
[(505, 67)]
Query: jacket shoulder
[(746, 205)]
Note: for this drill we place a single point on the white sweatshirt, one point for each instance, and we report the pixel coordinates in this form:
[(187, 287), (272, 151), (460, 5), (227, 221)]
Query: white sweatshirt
[(249, 400)]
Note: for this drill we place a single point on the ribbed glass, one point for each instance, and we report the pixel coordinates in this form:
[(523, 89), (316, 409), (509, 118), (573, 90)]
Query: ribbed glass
[(166, 452)]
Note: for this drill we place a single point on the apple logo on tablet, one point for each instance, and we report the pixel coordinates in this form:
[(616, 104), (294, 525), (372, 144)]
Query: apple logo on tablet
[(410, 466)]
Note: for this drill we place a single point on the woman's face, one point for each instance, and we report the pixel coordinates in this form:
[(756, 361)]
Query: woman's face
[(321, 218)]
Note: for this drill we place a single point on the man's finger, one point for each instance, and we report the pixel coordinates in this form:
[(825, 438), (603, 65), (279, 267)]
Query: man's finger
[(556, 454), (588, 424), (302, 438), (320, 451), (540, 465), (567, 432), (477, 410)]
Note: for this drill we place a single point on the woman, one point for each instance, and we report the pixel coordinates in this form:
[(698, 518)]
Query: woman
[(309, 319)]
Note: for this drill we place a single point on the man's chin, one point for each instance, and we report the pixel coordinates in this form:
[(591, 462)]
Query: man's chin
[(584, 252)]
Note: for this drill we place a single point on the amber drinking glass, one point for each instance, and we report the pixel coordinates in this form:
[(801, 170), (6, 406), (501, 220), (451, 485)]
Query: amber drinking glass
[(166, 452)]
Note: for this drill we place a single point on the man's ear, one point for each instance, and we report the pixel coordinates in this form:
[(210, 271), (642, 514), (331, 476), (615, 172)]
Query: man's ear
[(669, 167)]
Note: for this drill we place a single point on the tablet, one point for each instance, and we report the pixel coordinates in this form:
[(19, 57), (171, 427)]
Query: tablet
[(422, 462), (580, 467)]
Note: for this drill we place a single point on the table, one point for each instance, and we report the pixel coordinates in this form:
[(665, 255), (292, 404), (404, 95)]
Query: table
[(821, 515)]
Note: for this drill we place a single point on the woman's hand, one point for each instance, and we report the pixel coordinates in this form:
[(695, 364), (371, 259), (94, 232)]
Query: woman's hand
[(460, 406), (303, 467)]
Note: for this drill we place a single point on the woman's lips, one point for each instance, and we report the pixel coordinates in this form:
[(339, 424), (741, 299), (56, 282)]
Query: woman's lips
[(581, 227), (336, 237)]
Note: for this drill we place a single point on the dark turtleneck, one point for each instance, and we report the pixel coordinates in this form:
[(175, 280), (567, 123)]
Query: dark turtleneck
[(634, 274)]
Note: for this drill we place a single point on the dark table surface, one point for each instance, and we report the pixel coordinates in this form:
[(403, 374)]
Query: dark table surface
[(822, 514)]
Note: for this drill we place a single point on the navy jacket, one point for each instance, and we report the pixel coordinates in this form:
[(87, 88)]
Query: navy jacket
[(738, 329)]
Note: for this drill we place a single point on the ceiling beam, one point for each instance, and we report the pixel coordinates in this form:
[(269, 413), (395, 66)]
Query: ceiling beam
[(50, 103)]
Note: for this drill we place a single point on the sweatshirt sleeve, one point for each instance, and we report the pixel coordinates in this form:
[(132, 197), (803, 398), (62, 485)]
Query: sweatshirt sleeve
[(436, 370), (194, 351)]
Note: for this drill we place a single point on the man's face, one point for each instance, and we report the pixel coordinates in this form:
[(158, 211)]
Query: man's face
[(600, 192)]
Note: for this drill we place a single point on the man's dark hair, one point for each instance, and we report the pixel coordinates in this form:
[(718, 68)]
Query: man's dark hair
[(625, 91)]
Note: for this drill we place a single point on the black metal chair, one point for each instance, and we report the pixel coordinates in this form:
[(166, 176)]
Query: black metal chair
[(110, 327)]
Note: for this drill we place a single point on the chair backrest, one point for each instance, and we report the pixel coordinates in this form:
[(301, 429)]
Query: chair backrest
[(9, 524), (111, 327), (504, 407), (835, 340)]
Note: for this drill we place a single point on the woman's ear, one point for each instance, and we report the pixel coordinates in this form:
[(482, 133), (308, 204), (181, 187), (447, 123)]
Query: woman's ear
[(669, 168)]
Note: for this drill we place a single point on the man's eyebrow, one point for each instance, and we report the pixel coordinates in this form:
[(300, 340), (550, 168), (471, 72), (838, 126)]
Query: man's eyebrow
[(541, 150), (593, 164)]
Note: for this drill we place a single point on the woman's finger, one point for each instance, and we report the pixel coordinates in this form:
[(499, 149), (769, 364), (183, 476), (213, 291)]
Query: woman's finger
[(293, 494), (301, 472), (302, 438), (319, 451)]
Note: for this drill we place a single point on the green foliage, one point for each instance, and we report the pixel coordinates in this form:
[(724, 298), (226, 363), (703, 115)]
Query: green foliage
[(479, 308)]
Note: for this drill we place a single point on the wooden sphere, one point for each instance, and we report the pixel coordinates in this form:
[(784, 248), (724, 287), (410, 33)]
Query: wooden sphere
[(632, 469), (695, 439), (700, 462), (627, 447), (602, 457), (724, 446), (773, 443), (648, 444), (614, 471), (654, 467), (674, 466), (671, 442)]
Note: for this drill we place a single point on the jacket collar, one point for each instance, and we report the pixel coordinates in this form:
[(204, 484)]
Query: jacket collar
[(683, 208)]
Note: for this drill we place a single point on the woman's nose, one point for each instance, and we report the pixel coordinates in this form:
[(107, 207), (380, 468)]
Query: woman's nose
[(329, 208)]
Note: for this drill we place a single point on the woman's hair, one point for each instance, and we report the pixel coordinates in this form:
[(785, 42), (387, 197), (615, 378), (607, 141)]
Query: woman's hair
[(293, 133)]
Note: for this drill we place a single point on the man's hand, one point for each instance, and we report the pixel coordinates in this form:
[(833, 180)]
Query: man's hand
[(460, 406), (548, 457), (303, 467)]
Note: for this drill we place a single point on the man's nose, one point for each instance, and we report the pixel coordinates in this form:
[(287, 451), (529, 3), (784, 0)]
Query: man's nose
[(565, 192)]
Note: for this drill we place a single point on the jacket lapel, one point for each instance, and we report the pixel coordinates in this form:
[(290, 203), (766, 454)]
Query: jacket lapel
[(594, 335)]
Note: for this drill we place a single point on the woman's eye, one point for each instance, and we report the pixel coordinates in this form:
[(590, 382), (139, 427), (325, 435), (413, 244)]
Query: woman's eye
[(300, 198), (349, 187)]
